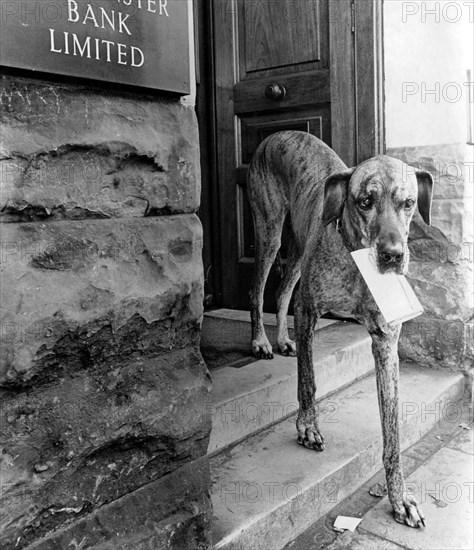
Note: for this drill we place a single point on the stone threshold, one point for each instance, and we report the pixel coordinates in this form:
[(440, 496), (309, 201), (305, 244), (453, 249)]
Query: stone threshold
[(226, 336)]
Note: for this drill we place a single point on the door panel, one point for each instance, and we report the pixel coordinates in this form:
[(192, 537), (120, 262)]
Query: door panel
[(271, 42), (301, 90), (272, 73), (254, 129), (276, 34)]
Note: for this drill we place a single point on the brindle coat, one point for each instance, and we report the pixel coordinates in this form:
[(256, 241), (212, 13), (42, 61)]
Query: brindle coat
[(334, 210)]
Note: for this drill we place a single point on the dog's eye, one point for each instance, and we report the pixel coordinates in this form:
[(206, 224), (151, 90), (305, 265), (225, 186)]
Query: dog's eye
[(366, 203), (409, 203)]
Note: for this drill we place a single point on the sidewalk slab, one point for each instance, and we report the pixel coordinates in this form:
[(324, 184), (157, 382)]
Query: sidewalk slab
[(464, 442), (444, 486), (359, 541)]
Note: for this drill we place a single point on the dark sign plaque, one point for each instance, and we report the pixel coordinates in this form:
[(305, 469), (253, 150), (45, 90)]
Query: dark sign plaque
[(136, 42)]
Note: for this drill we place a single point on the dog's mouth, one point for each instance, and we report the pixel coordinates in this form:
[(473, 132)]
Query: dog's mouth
[(391, 262), (398, 266), (399, 269)]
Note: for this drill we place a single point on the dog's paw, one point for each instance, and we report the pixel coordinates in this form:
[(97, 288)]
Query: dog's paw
[(308, 431), (262, 348), (287, 347), (409, 513)]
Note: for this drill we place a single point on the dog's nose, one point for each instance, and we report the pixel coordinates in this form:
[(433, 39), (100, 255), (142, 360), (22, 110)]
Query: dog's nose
[(391, 254)]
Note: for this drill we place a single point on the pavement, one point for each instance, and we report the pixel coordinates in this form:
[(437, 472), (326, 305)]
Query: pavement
[(439, 470)]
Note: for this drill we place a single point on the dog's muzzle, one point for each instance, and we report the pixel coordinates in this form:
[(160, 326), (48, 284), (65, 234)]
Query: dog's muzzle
[(391, 256)]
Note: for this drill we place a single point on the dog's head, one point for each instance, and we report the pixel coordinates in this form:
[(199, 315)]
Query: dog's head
[(375, 202)]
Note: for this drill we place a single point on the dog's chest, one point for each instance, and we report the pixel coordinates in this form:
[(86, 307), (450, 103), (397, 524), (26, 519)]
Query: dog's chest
[(335, 282)]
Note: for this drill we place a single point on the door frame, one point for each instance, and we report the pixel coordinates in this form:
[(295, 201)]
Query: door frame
[(365, 92)]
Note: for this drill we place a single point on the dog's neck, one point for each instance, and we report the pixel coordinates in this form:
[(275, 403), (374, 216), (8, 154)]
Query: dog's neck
[(347, 234)]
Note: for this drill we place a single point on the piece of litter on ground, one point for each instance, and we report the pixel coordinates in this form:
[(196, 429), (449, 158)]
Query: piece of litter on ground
[(378, 490), (345, 522), (439, 503), (439, 437)]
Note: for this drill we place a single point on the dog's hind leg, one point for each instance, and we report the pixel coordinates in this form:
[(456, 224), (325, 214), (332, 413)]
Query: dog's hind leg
[(306, 317), (269, 205), (267, 244), (284, 293)]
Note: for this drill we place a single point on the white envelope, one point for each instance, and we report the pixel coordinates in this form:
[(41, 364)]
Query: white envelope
[(392, 293)]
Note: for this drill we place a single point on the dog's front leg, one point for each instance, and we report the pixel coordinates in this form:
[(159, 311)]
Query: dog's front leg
[(307, 421), (384, 346)]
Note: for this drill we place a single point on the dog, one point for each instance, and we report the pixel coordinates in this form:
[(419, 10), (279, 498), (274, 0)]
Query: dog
[(334, 210)]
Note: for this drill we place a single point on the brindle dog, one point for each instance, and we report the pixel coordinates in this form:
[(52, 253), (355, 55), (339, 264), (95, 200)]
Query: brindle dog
[(334, 210)]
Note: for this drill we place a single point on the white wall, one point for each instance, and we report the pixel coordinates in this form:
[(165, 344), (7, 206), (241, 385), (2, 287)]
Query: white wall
[(428, 48)]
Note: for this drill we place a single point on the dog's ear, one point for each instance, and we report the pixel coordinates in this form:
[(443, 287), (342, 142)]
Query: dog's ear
[(425, 194), (335, 193)]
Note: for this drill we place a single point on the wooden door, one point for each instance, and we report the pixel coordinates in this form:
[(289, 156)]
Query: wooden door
[(278, 65)]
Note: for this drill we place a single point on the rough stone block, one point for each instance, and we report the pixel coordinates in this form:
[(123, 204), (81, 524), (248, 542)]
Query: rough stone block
[(452, 168), (65, 283), (453, 219), (96, 436), (101, 382), (441, 272), (179, 519), (450, 165), (441, 260), (74, 152), (438, 343)]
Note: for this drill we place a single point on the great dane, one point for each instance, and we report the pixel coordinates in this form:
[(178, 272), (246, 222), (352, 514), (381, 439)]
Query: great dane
[(334, 210)]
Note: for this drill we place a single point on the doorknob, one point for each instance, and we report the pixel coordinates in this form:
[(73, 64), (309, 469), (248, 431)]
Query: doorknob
[(277, 92)]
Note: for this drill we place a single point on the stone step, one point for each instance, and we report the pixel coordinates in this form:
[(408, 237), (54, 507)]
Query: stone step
[(230, 328), (268, 489), (250, 398)]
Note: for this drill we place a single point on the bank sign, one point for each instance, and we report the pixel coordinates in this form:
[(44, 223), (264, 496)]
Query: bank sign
[(137, 42)]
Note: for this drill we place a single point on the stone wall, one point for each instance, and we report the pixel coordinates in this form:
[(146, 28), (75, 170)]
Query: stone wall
[(103, 431), (441, 260)]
